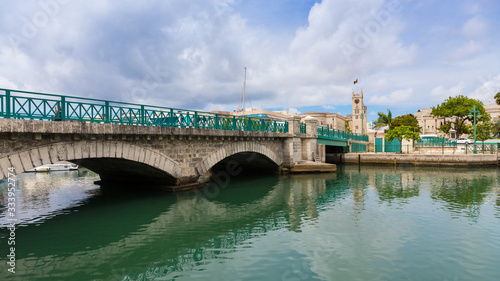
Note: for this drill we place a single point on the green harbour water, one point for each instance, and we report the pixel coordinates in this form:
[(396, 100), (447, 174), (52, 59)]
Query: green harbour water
[(363, 223)]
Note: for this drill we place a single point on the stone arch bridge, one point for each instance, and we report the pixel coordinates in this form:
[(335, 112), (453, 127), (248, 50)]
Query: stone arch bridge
[(152, 155)]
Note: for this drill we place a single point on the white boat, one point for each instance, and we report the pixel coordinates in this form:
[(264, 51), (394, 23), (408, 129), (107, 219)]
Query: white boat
[(55, 167)]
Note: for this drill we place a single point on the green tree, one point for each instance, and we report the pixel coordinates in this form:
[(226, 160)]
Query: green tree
[(496, 129), (497, 98), (383, 119), (402, 132), (347, 127), (484, 131), (457, 109), (406, 120)]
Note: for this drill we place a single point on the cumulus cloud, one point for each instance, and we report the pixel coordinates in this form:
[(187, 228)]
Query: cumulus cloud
[(395, 97), (440, 93), (487, 89), (468, 50), (475, 27)]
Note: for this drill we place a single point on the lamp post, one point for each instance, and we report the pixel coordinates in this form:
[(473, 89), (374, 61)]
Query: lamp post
[(476, 113)]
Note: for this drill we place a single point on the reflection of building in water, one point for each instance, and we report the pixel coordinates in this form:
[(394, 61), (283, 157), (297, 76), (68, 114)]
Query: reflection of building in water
[(303, 198)]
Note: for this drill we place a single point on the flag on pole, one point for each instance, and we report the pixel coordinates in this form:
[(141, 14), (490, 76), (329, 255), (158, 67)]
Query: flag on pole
[(355, 81)]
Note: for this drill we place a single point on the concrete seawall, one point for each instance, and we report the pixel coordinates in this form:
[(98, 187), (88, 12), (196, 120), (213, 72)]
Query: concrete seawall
[(436, 160)]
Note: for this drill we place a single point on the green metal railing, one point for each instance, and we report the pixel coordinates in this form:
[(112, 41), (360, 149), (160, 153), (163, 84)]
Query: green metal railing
[(435, 142), (303, 128), (41, 106), (333, 134)]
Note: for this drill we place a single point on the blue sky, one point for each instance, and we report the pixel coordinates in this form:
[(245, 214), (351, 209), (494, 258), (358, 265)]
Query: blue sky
[(300, 55)]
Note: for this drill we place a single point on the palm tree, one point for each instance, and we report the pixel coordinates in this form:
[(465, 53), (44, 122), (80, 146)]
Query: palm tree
[(383, 119), (497, 98)]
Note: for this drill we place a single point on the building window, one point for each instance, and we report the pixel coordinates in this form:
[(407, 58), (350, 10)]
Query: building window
[(356, 111), (357, 127), (356, 116)]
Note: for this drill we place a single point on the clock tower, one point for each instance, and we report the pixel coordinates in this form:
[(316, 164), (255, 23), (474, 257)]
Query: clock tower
[(358, 123)]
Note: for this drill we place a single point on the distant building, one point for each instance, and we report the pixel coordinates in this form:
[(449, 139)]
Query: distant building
[(357, 121), (431, 124)]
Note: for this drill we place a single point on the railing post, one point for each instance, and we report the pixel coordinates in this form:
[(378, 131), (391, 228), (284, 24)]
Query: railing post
[(196, 125), (234, 123), (106, 112), (63, 108), (7, 104), (143, 115), (216, 121), (171, 119)]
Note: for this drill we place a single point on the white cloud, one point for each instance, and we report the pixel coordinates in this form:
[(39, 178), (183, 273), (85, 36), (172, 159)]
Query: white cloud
[(475, 27), (328, 107), (395, 97), (468, 50), (487, 90), (293, 110), (440, 93)]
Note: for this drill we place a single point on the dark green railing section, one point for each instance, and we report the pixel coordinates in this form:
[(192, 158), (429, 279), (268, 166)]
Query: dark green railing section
[(303, 128), (40, 106), (333, 134), (435, 142)]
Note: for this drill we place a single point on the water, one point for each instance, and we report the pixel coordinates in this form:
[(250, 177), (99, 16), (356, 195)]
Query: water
[(372, 223)]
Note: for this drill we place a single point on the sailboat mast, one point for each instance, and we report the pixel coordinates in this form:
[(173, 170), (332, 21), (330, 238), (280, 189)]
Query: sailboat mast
[(244, 85)]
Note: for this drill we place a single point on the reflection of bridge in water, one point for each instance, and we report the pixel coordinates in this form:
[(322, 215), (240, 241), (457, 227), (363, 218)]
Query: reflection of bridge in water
[(170, 233)]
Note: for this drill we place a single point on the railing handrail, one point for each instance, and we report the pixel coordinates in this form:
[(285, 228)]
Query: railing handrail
[(335, 133), (34, 105)]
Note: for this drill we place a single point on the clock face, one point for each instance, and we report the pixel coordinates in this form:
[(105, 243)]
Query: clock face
[(356, 101)]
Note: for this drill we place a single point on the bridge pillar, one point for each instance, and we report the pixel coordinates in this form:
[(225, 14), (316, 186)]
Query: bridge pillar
[(292, 146), (309, 143)]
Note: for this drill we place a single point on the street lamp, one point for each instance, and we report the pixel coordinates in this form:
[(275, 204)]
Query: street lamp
[(476, 113)]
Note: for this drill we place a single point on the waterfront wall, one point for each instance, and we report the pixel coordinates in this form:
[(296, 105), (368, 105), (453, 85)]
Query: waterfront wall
[(422, 159)]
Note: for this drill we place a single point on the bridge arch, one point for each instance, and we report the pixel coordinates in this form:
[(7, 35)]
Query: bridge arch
[(232, 149), (114, 161)]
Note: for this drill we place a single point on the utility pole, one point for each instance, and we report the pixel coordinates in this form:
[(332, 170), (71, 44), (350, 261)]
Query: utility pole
[(244, 86), (476, 113)]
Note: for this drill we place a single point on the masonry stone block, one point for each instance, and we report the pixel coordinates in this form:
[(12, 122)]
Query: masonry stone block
[(139, 154), (15, 160), (53, 154), (126, 150), (99, 149), (119, 150), (92, 149), (157, 160), (4, 166), (150, 158), (62, 152), (168, 167), (26, 160), (85, 149), (35, 157), (142, 155), (44, 155), (106, 149), (112, 149), (77, 148)]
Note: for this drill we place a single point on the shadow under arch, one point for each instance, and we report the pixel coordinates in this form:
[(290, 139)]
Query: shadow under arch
[(241, 158), (114, 161)]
